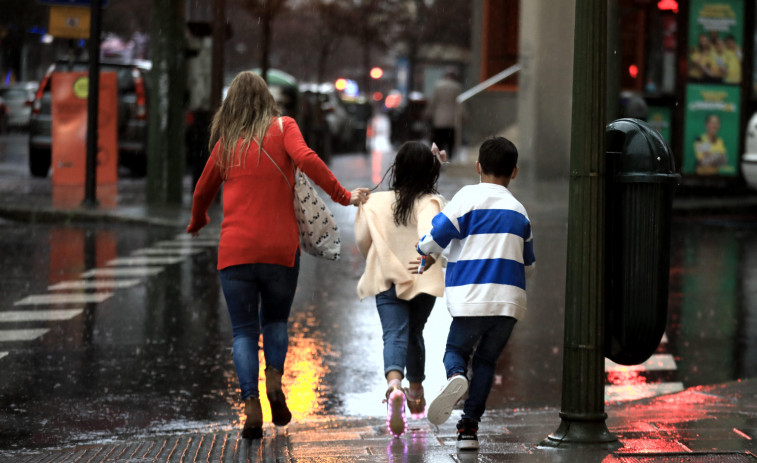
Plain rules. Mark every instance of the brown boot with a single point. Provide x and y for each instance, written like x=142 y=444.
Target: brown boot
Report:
x=253 y=425
x=281 y=416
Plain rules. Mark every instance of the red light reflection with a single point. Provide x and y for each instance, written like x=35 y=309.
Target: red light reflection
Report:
x=376 y=162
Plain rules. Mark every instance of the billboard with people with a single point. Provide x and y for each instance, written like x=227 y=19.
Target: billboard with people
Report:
x=713 y=95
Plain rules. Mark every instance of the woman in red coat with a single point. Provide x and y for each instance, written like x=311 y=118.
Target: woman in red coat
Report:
x=258 y=252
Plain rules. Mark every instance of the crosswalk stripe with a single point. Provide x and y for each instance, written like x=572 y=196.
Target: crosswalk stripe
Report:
x=64 y=299
x=166 y=251
x=188 y=244
x=122 y=272
x=38 y=315
x=210 y=235
x=94 y=284
x=639 y=391
x=21 y=335
x=656 y=362
x=3 y=354
x=145 y=260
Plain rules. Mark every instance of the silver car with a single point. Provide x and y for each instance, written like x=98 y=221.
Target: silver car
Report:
x=17 y=99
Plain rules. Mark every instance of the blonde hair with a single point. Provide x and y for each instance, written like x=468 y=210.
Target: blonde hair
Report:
x=245 y=114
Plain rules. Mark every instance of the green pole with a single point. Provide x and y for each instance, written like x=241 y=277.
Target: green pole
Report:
x=582 y=413
x=165 y=152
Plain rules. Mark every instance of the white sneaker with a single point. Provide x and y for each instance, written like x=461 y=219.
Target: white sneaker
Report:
x=441 y=407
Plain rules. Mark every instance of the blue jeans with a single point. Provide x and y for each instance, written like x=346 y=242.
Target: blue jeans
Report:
x=402 y=323
x=259 y=295
x=491 y=334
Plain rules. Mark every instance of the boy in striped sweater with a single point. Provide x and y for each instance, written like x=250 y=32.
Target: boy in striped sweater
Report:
x=486 y=238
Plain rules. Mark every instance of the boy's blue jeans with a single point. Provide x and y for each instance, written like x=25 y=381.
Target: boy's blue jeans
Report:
x=259 y=295
x=491 y=334
x=402 y=323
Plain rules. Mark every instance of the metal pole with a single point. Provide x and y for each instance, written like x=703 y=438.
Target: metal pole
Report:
x=582 y=413
x=93 y=98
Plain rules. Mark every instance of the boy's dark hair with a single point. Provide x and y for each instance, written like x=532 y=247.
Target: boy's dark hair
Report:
x=498 y=156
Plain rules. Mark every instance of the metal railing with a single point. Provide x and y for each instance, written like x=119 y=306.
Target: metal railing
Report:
x=473 y=91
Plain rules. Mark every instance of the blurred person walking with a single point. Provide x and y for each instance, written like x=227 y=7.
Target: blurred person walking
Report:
x=442 y=109
x=259 y=251
x=387 y=228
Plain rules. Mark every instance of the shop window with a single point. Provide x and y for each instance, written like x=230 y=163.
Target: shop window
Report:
x=648 y=39
x=500 y=40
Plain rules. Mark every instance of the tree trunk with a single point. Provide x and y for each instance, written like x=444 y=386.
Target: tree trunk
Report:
x=266 y=42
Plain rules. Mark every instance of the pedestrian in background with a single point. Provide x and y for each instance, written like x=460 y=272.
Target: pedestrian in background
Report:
x=442 y=110
x=387 y=228
x=486 y=238
x=258 y=252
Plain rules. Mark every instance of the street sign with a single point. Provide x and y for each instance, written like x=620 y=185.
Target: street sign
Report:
x=86 y=3
x=69 y=22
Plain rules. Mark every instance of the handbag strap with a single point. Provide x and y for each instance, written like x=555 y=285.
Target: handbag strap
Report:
x=281 y=126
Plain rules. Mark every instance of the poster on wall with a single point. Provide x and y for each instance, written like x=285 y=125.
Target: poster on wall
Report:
x=716 y=37
x=659 y=118
x=711 y=137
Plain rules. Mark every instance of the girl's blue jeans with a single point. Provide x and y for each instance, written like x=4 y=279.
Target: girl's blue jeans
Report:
x=491 y=334
x=402 y=323
x=259 y=295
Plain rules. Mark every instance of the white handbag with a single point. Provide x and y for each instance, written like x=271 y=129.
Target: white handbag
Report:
x=319 y=233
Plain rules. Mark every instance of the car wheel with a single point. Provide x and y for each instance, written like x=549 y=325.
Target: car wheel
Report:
x=39 y=162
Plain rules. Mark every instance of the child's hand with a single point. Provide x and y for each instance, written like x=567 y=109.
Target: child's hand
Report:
x=415 y=265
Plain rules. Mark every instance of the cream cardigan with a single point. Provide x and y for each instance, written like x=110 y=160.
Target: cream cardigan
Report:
x=388 y=248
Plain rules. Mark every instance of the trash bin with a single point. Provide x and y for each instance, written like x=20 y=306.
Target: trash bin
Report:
x=641 y=180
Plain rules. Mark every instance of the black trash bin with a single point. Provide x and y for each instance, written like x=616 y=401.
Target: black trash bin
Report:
x=641 y=180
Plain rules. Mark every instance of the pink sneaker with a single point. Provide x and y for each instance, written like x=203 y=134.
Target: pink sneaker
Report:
x=415 y=403
x=395 y=412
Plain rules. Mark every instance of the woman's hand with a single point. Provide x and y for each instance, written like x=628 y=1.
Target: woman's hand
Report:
x=195 y=225
x=359 y=196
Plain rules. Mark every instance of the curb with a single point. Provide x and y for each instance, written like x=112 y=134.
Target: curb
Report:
x=50 y=215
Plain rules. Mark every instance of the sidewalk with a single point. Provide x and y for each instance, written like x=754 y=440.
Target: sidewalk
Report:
x=706 y=424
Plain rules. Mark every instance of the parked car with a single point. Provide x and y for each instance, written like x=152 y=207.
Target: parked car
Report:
x=360 y=111
x=406 y=116
x=346 y=117
x=17 y=99
x=132 y=117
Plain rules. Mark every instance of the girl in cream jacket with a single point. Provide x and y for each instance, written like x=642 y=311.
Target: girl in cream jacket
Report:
x=387 y=228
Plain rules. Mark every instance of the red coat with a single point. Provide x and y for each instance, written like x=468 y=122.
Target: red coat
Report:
x=258 y=214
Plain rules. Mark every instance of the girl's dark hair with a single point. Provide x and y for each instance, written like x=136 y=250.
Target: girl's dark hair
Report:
x=413 y=174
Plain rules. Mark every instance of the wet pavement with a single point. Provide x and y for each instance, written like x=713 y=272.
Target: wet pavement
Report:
x=145 y=374
x=706 y=424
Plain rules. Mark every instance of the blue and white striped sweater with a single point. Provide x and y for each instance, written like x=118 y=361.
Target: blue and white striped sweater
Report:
x=485 y=236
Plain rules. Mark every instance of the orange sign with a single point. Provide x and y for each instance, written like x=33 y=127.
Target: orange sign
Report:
x=71 y=22
x=69 y=128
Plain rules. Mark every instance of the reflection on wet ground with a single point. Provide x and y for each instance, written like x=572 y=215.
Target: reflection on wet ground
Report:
x=146 y=347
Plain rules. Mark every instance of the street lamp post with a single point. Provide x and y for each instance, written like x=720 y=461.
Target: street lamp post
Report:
x=582 y=412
